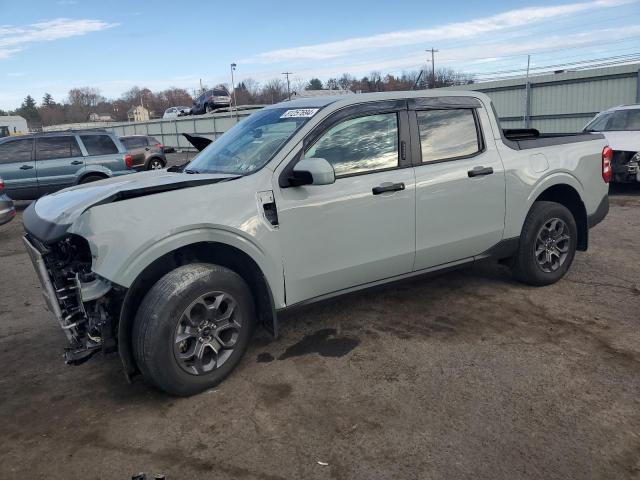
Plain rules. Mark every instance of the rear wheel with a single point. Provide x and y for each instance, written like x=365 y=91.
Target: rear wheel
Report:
x=155 y=164
x=547 y=244
x=192 y=328
x=209 y=108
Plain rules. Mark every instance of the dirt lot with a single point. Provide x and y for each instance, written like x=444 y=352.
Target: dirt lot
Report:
x=469 y=375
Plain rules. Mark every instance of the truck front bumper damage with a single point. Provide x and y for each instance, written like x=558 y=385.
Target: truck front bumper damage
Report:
x=80 y=300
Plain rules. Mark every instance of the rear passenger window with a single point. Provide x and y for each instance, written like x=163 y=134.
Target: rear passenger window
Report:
x=49 y=148
x=99 y=144
x=16 y=151
x=447 y=134
x=360 y=145
x=134 y=142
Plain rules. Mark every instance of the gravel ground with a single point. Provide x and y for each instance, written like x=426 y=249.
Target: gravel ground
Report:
x=468 y=375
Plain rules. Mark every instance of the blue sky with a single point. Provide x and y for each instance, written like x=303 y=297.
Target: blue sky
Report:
x=52 y=46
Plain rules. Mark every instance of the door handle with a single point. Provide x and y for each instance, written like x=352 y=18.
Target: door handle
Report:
x=26 y=167
x=147 y=149
x=77 y=162
x=387 y=187
x=479 y=171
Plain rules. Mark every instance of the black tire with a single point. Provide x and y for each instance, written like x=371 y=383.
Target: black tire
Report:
x=151 y=164
x=527 y=266
x=161 y=315
x=209 y=108
x=91 y=178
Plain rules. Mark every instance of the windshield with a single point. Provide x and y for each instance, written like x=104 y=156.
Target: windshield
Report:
x=250 y=144
x=620 y=120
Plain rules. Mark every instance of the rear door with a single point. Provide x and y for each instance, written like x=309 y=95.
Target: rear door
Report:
x=102 y=151
x=460 y=181
x=58 y=161
x=18 y=168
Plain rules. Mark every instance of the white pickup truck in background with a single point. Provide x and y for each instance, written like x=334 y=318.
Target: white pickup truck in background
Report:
x=302 y=201
x=621 y=128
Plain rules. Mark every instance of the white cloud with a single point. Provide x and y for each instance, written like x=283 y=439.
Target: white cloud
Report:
x=457 y=30
x=15 y=38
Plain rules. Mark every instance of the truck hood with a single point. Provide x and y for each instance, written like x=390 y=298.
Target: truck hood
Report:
x=623 y=141
x=49 y=218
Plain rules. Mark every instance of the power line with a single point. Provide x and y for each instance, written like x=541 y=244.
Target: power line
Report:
x=288 y=84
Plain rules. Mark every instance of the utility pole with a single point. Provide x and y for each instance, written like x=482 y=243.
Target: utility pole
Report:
x=433 y=66
x=233 y=90
x=527 y=95
x=286 y=74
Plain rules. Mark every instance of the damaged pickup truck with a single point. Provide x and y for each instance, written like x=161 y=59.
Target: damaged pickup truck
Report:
x=300 y=202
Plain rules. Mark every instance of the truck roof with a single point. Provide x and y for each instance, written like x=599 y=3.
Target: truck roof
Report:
x=344 y=100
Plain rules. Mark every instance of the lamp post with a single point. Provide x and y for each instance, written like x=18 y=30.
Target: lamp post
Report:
x=233 y=90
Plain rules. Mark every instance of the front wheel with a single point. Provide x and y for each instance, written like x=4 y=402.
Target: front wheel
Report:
x=193 y=328
x=209 y=108
x=547 y=244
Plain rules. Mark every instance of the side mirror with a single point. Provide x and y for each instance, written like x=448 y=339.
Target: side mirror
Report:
x=312 y=171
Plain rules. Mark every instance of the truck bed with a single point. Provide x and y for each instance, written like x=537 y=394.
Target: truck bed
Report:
x=525 y=138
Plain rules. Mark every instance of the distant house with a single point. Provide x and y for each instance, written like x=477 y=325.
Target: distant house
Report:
x=99 y=117
x=319 y=93
x=138 y=114
x=12 y=125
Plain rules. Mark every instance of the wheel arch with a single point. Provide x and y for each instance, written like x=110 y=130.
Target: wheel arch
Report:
x=205 y=251
x=568 y=196
x=95 y=170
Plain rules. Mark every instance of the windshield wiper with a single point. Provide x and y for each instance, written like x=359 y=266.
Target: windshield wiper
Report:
x=189 y=170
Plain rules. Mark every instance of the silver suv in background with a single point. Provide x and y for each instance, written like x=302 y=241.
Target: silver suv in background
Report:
x=621 y=128
x=147 y=152
x=34 y=165
x=211 y=100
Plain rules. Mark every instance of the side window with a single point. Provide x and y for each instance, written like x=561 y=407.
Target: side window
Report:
x=16 y=151
x=49 y=148
x=134 y=142
x=447 y=134
x=99 y=144
x=358 y=145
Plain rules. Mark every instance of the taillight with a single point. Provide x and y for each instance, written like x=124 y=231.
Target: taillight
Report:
x=160 y=146
x=607 y=158
x=1 y=184
x=128 y=160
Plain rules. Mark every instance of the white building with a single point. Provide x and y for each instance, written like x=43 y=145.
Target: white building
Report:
x=138 y=114
x=12 y=125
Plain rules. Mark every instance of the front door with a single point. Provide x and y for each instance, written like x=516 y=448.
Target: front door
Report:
x=361 y=228
x=460 y=185
x=58 y=160
x=18 y=169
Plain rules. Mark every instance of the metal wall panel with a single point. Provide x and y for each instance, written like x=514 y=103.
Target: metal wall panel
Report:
x=169 y=132
x=562 y=102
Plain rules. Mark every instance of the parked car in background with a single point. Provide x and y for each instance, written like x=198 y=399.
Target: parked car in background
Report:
x=621 y=127
x=303 y=201
x=211 y=100
x=37 y=164
x=175 y=112
x=147 y=152
x=7 y=209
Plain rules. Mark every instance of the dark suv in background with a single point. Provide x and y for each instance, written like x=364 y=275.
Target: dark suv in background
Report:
x=37 y=164
x=211 y=100
x=147 y=153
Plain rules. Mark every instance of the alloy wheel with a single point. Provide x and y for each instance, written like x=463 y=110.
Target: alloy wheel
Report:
x=552 y=244
x=207 y=333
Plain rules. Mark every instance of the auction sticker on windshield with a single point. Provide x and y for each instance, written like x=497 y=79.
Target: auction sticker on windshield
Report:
x=300 y=113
